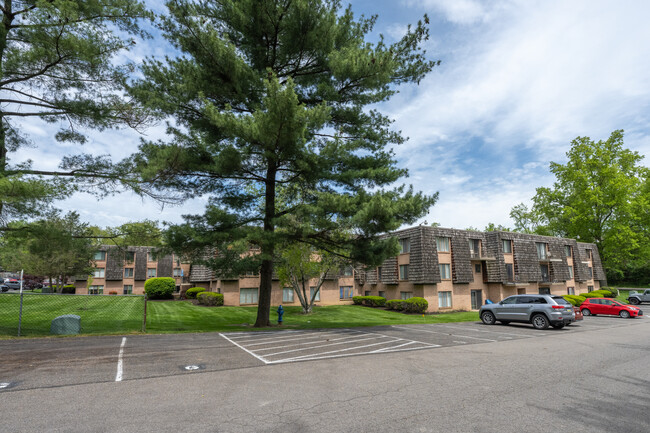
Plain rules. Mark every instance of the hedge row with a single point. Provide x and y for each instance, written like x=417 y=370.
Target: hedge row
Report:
x=410 y=305
x=577 y=300
x=160 y=288
x=210 y=299
x=369 y=301
x=193 y=292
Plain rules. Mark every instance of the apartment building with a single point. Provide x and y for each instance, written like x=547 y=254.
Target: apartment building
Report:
x=124 y=271
x=459 y=269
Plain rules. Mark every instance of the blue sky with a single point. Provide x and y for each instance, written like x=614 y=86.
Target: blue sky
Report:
x=519 y=80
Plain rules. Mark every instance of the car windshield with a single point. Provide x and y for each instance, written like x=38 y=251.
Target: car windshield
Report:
x=560 y=300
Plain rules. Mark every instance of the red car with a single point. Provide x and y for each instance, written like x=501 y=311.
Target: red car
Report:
x=593 y=306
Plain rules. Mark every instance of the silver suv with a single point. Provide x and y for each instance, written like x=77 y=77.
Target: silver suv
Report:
x=540 y=310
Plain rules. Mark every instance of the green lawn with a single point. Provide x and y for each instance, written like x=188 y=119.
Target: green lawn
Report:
x=99 y=314
x=123 y=314
x=183 y=316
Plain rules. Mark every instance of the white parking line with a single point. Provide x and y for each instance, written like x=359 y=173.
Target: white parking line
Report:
x=308 y=343
x=489 y=332
x=305 y=337
x=444 y=333
x=118 y=376
x=322 y=345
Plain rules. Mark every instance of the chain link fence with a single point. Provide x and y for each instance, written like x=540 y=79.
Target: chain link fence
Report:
x=31 y=314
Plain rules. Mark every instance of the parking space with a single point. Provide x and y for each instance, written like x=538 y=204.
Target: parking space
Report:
x=53 y=362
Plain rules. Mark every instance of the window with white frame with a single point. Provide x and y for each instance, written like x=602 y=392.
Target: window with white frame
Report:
x=128 y=272
x=151 y=272
x=405 y=245
x=444 y=299
x=403 y=272
x=248 y=296
x=571 y=272
x=346 y=292
x=442 y=244
x=541 y=250
x=591 y=272
x=312 y=289
x=474 y=248
x=567 y=251
x=128 y=289
x=96 y=290
x=99 y=255
x=570 y=291
x=98 y=273
x=178 y=272
x=129 y=256
x=445 y=271
x=287 y=294
x=405 y=295
x=507 y=246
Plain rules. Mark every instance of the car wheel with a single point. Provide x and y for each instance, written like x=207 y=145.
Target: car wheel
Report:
x=540 y=321
x=634 y=301
x=558 y=325
x=624 y=314
x=586 y=312
x=505 y=322
x=488 y=318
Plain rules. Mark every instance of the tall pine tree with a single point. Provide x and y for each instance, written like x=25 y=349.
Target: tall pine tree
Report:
x=272 y=103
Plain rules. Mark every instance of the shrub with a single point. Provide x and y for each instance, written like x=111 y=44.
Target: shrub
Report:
x=191 y=293
x=592 y=295
x=373 y=301
x=160 y=288
x=112 y=292
x=395 y=304
x=358 y=300
x=210 y=299
x=68 y=289
x=575 y=300
x=415 y=305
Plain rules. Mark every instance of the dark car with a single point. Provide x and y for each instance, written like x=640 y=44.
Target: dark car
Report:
x=10 y=284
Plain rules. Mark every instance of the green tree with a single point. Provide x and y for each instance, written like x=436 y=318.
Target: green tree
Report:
x=57 y=247
x=278 y=94
x=57 y=63
x=600 y=195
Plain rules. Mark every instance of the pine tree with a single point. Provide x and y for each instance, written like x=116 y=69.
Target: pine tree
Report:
x=278 y=96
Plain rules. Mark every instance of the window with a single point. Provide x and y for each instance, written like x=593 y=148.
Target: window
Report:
x=382 y=293
x=476 y=297
x=571 y=272
x=474 y=248
x=507 y=246
x=442 y=244
x=98 y=273
x=248 y=296
x=366 y=293
x=405 y=295
x=510 y=300
x=567 y=251
x=510 y=272
x=589 y=254
x=312 y=289
x=152 y=256
x=543 y=269
x=178 y=272
x=405 y=245
x=477 y=268
x=251 y=274
x=287 y=294
x=590 y=288
x=403 y=272
x=544 y=290
x=129 y=256
x=570 y=291
x=96 y=290
x=346 y=292
x=379 y=273
x=541 y=250
x=128 y=289
x=444 y=299
x=99 y=255
x=445 y=271
x=128 y=272
x=347 y=271
x=591 y=272
x=151 y=273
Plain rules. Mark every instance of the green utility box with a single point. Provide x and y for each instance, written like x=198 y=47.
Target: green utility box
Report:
x=67 y=324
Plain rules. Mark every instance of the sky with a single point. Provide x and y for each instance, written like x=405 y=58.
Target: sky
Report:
x=518 y=81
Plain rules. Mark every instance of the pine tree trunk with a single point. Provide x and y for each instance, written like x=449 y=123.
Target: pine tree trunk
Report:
x=268 y=251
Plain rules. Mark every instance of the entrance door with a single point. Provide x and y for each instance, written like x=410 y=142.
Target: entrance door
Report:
x=477 y=299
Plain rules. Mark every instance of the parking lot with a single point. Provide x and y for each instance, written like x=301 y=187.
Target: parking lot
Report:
x=55 y=362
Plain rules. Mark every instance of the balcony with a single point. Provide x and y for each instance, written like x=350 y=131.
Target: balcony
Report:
x=477 y=255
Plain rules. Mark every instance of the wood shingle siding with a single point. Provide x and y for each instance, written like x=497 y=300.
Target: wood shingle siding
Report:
x=140 y=265
x=165 y=266
x=114 y=264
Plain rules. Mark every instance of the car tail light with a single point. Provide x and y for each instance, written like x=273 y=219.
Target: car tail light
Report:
x=559 y=307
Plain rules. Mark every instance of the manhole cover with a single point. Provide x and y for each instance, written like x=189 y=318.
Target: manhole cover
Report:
x=193 y=367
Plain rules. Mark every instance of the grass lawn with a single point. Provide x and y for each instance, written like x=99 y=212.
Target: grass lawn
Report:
x=99 y=314
x=103 y=315
x=183 y=316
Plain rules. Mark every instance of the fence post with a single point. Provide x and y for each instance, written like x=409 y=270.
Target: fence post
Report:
x=20 y=313
x=144 y=321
